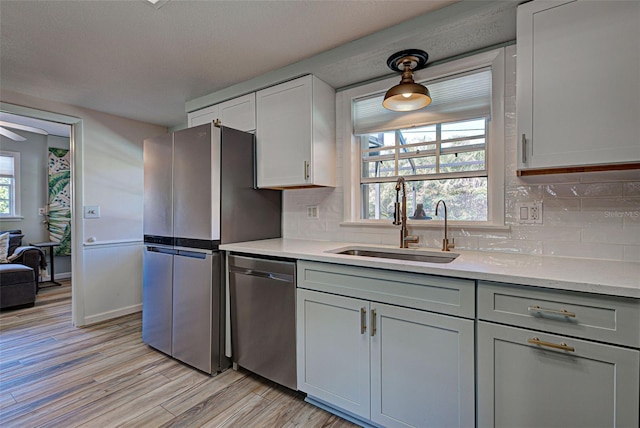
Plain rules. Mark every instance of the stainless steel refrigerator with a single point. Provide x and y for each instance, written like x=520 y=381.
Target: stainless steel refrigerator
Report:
x=198 y=193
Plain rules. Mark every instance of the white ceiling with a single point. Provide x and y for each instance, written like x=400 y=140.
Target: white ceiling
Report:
x=131 y=59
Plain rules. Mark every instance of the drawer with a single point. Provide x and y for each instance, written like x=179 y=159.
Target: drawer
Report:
x=590 y=316
x=451 y=296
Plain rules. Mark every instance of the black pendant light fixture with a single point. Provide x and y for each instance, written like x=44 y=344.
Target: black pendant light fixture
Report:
x=407 y=95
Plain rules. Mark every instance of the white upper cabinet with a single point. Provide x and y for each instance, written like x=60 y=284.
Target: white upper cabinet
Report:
x=202 y=116
x=237 y=113
x=295 y=134
x=578 y=85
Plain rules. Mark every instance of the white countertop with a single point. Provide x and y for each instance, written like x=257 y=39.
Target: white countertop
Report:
x=564 y=273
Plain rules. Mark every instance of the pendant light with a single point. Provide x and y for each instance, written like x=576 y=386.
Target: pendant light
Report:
x=407 y=95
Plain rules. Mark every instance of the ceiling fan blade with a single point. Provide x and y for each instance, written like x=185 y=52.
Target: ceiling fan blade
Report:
x=23 y=127
x=11 y=135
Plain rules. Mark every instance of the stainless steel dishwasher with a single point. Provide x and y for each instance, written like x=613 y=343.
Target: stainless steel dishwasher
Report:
x=263 y=317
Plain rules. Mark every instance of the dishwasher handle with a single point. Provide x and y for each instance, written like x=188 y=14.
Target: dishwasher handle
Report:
x=262 y=274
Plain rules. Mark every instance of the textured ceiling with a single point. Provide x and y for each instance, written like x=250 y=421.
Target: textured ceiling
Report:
x=131 y=59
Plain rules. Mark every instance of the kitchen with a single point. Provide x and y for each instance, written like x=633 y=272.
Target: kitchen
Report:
x=575 y=208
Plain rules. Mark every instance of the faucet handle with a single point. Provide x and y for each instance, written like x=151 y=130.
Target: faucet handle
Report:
x=446 y=246
x=413 y=239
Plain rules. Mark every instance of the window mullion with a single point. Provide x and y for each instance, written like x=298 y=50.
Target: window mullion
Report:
x=438 y=146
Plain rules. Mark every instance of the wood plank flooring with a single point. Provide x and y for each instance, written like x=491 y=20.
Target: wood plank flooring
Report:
x=55 y=375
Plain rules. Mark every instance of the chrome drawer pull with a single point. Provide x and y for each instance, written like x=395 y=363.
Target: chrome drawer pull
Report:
x=363 y=320
x=562 y=312
x=562 y=345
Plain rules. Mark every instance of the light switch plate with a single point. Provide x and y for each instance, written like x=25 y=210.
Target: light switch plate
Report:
x=529 y=212
x=92 y=211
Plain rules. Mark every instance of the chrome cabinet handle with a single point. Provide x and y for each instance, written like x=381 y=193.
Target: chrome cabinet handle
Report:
x=306 y=170
x=373 y=322
x=524 y=149
x=562 y=312
x=563 y=346
x=363 y=320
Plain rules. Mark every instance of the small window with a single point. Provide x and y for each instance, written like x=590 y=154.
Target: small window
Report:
x=9 y=184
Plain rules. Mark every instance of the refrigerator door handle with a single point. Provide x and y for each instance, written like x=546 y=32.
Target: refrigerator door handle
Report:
x=162 y=250
x=192 y=254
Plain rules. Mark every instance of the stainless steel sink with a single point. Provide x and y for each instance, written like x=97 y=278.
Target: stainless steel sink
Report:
x=411 y=255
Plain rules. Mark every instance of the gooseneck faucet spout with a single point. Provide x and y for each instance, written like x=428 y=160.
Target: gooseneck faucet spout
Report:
x=445 y=242
x=400 y=215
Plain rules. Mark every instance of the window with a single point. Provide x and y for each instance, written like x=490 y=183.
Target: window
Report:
x=9 y=184
x=440 y=161
x=451 y=150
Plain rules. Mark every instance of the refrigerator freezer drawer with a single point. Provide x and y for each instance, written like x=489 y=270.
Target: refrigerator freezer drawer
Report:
x=196 y=313
x=157 y=296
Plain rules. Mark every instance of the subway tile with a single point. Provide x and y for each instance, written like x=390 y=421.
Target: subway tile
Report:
x=510 y=246
x=604 y=176
x=583 y=190
x=584 y=250
x=550 y=179
x=524 y=193
x=632 y=253
x=575 y=218
x=631 y=188
x=612 y=206
x=546 y=233
x=612 y=235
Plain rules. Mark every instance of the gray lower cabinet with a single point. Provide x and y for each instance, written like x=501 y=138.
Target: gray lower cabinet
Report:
x=384 y=363
x=556 y=375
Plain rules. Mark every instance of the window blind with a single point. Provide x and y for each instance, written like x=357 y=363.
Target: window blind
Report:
x=6 y=166
x=458 y=97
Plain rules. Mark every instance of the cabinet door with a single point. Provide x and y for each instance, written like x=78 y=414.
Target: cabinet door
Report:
x=528 y=385
x=422 y=369
x=578 y=89
x=205 y=115
x=239 y=113
x=333 y=350
x=284 y=134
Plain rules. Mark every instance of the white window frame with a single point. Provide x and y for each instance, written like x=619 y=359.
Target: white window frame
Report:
x=495 y=139
x=15 y=196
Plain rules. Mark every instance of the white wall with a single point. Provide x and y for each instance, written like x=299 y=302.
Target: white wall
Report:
x=108 y=273
x=595 y=215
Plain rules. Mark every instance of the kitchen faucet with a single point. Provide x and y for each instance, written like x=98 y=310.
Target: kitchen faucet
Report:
x=400 y=215
x=445 y=242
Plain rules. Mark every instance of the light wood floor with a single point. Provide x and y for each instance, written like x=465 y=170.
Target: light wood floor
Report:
x=55 y=375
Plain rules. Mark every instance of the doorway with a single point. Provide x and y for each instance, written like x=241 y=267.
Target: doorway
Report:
x=49 y=206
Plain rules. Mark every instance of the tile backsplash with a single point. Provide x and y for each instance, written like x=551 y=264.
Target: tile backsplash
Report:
x=590 y=215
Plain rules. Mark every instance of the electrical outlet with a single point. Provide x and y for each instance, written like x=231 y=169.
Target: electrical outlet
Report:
x=42 y=211
x=529 y=213
x=312 y=211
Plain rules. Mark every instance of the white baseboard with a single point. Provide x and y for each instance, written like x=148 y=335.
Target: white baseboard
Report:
x=104 y=316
